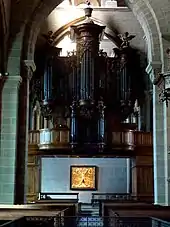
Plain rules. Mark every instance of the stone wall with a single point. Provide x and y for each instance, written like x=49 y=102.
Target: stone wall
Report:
x=112 y=175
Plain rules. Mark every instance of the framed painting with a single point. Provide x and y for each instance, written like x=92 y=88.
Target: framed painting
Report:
x=83 y=178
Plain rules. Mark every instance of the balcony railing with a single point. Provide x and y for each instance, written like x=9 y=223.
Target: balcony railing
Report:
x=143 y=138
x=128 y=138
x=34 y=137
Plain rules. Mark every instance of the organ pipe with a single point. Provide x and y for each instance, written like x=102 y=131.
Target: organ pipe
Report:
x=73 y=124
x=48 y=80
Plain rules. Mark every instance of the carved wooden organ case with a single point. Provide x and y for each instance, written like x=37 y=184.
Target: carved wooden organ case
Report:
x=93 y=90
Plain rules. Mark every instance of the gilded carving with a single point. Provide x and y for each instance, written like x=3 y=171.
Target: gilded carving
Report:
x=83 y=178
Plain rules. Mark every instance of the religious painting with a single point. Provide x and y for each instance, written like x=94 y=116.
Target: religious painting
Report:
x=83 y=178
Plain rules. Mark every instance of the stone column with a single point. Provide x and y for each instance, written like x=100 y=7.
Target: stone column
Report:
x=167 y=153
x=22 y=139
x=8 y=138
x=164 y=84
x=159 y=146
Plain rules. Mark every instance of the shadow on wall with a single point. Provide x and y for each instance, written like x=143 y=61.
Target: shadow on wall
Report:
x=112 y=175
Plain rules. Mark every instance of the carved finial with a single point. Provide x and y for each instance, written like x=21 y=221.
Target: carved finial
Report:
x=88 y=10
x=125 y=38
x=87 y=2
x=88 y=13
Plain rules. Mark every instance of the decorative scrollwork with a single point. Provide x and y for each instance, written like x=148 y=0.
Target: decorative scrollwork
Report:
x=102 y=53
x=85 y=46
x=164 y=96
x=46 y=110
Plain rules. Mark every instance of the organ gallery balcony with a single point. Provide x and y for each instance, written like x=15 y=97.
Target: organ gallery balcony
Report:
x=126 y=143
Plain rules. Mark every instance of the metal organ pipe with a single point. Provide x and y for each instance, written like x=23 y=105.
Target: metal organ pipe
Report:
x=101 y=122
x=48 y=80
x=83 y=78
x=87 y=37
x=73 y=133
x=86 y=75
x=125 y=77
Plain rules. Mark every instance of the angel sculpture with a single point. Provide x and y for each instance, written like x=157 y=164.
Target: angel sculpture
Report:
x=125 y=38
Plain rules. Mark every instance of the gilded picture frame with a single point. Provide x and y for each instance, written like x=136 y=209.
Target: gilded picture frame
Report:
x=83 y=178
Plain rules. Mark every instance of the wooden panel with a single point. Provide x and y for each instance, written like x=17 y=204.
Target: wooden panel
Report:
x=33 y=177
x=136 y=210
x=142 y=178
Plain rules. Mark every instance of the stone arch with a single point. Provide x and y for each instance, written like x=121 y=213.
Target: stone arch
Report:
x=146 y=16
x=141 y=9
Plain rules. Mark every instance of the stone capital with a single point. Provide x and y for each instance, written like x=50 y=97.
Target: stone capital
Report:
x=154 y=70
x=30 y=68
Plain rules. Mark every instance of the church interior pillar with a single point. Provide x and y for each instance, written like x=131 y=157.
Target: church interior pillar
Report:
x=167 y=156
x=9 y=118
x=22 y=140
x=159 y=147
x=164 y=85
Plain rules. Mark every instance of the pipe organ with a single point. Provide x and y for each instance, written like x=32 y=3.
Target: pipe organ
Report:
x=86 y=96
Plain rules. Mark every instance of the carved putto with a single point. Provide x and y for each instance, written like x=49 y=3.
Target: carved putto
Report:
x=125 y=38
